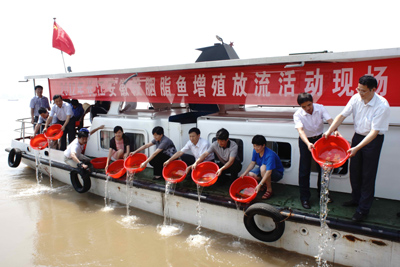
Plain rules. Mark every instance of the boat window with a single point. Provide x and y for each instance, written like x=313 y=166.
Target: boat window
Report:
x=136 y=139
x=283 y=150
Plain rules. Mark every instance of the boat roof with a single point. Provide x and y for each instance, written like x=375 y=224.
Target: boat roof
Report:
x=351 y=56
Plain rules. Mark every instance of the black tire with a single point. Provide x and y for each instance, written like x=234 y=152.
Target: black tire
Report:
x=14 y=157
x=80 y=188
x=268 y=211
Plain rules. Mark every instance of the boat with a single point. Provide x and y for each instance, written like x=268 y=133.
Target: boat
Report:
x=247 y=97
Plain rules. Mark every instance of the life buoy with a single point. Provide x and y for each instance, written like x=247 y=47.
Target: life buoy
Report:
x=268 y=211
x=80 y=188
x=14 y=157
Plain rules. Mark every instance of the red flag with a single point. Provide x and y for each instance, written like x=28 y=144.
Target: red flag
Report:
x=62 y=41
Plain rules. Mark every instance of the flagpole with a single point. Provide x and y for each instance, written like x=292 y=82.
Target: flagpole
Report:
x=62 y=54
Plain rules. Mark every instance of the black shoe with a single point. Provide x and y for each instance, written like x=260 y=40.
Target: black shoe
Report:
x=156 y=177
x=358 y=217
x=306 y=204
x=350 y=203
x=398 y=214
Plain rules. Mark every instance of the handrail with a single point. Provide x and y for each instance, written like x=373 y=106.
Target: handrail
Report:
x=23 y=129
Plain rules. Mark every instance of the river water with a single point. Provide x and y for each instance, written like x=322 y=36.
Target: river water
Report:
x=44 y=226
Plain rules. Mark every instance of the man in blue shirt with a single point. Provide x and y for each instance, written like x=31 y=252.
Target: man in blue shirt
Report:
x=269 y=166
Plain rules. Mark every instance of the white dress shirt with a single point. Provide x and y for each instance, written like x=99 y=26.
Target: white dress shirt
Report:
x=313 y=124
x=371 y=116
x=63 y=112
x=198 y=149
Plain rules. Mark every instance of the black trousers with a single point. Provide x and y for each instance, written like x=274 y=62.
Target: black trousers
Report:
x=158 y=163
x=363 y=170
x=305 y=169
x=233 y=170
x=70 y=131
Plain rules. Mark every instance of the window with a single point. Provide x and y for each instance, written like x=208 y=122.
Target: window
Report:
x=136 y=139
x=283 y=150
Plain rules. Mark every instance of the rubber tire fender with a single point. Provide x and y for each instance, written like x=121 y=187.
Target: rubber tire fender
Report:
x=80 y=188
x=268 y=211
x=14 y=157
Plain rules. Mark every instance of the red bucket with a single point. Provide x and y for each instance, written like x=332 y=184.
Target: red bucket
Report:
x=331 y=150
x=116 y=169
x=54 y=132
x=204 y=174
x=132 y=163
x=175 y=172
x=243 y=189
x=39 y=142
x=99 y=163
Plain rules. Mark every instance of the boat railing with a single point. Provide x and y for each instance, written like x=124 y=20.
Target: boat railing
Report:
x=23 y=130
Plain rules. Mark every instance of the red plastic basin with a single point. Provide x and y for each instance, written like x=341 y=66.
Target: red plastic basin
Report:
x=54 y=132
x=116 y=169
x=132 y=163
x=99 y=163
x=39 y=142
x=331 y=150
x=204 y=174
x=243 y=189
x=175 y=172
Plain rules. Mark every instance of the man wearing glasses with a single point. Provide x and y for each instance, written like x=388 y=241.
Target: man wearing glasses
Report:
x=371 y=120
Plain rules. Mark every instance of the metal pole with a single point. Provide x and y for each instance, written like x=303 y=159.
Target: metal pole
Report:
x=62 y=54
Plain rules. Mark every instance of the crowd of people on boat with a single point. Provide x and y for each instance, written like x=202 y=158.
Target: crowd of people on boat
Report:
x=371 y=120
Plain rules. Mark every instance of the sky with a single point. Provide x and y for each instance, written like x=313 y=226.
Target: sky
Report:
x=128 y=34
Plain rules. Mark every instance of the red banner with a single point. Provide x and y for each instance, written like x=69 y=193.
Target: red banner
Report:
x=331 y=84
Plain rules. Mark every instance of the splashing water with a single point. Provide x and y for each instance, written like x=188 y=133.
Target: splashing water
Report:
x=169 y=230
x=197 y=240
x=325 y=236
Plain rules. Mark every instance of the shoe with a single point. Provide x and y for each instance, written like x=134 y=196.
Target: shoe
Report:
x=306 y=204
x=267 y=195
x=156 y=177
x=358 y=217
x=350 y=203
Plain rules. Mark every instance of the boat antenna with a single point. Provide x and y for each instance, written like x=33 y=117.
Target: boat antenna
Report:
x=130 y=77
x=219 y=39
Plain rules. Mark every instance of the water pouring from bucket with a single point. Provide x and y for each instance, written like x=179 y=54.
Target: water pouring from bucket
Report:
x=204 y=175
x=39 y=142
x=52 y=134
x=329 y=153
x=173 y=173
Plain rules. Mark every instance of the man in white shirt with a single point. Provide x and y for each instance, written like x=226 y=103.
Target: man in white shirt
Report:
x=371 y=120
x=65 y=117
x=196 y=145
x=309 y=122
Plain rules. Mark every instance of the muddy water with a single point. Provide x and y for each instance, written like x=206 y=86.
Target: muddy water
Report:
x=44 y=226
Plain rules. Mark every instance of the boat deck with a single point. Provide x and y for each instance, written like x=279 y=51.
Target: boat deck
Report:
x=382 y=221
